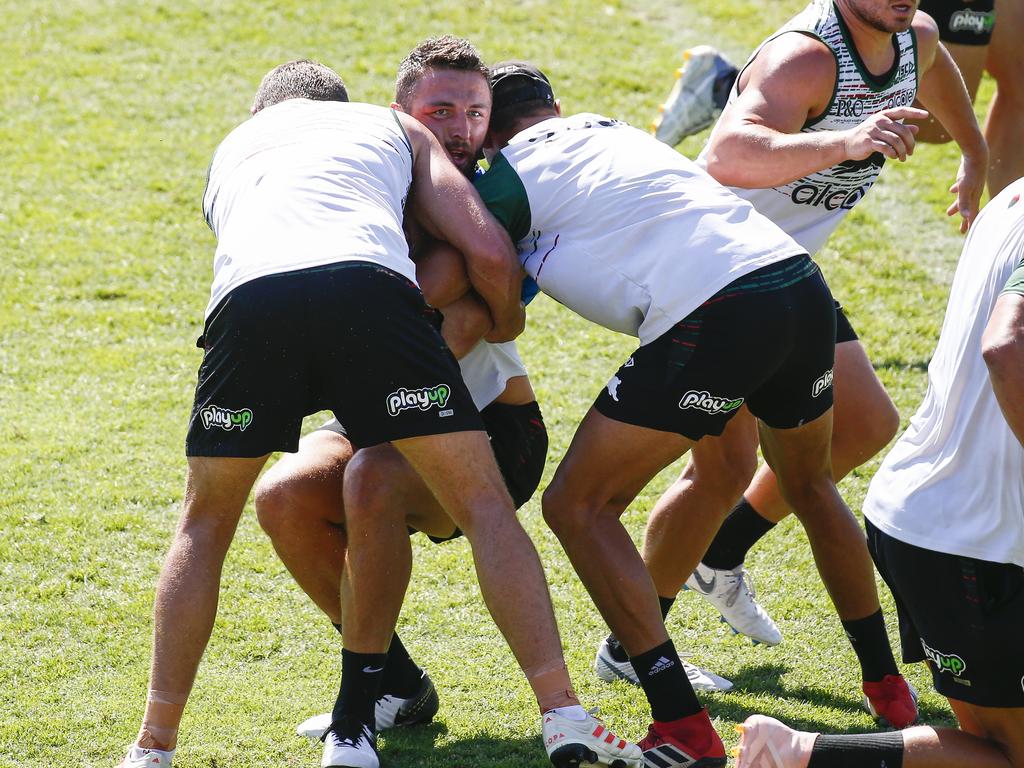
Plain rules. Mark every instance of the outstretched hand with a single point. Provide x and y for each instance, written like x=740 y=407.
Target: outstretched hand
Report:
x=968 y=188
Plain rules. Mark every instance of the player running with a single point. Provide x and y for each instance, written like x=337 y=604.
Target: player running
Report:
x=947 y=502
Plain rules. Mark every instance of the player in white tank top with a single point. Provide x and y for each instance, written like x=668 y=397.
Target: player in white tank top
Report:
x=812 y=116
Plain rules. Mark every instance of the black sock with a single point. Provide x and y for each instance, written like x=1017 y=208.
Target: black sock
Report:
x=401 y=674
x=741 y=530
x=664 y=682
x=615 y=647
x=871 y=644
x=361 y=675
x=861 y=750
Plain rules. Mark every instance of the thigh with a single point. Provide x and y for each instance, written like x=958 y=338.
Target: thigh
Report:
x=1005 y=61
x=1005 y=726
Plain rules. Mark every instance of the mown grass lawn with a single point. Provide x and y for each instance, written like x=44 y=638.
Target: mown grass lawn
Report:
x=111 y=113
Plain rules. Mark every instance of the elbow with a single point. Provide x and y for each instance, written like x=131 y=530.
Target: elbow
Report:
x=1003 y=355
x=728 y=172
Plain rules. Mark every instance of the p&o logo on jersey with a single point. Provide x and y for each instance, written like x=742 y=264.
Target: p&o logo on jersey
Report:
x=423 y=399
x=705 y=401
x=225 y=418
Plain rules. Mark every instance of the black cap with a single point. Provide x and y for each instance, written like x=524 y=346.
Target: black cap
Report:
x=515 y=82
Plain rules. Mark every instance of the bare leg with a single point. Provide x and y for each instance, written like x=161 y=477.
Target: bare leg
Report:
x=1006 y=113
x=687 y=516
x=606 y=465
x=865 y=421
x=189 y=587
x=299 y=505
x=460 y=470
x=800 y=457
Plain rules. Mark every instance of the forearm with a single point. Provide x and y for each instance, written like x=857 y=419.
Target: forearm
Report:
x=750 y=155
x=441 y=273
x=944 y=94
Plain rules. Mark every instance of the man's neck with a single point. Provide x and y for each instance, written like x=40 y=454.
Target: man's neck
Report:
x=874 y=45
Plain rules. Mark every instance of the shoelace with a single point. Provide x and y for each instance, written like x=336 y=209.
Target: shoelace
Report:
x=742 y=579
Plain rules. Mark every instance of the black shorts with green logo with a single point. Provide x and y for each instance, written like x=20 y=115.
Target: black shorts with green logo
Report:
x=766 y=340
x=965 y=618
x=354 y=338
x=963 y=23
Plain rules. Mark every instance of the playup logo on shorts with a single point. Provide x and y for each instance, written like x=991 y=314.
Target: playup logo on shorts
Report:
x=822 y=383
x=226 y=419
x=705 y=401
x=946 y=662
x=423 y=399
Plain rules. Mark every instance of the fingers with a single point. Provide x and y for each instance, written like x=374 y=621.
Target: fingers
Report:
x=906 y=113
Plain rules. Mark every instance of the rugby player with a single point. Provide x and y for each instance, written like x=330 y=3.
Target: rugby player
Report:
x=945 y=527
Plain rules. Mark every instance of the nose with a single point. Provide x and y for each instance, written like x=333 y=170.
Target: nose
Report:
x=460 y=126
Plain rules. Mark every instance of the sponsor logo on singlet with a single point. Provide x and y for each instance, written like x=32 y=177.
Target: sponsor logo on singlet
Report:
x=828 y=196
x=822 y=383
x=705 y=401
x=971 y=21
x=226 y=419
x=423 y=399
x=945 y=662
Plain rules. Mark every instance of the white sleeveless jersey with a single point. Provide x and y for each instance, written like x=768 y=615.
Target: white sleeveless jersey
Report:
x=620 y=228
x=487 y=369
x=809 y=209
x=308 y=183
x=954 y=481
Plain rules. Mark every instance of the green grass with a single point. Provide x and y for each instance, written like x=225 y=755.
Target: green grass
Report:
x=111 y=114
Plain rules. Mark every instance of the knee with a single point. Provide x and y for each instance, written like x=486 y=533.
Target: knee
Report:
x=570 y=514
x=875 y=432
x=370 y=486
x=273 y=501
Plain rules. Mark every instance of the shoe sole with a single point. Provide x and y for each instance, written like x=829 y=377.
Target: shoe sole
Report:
x=581 y=756
x=420 y=712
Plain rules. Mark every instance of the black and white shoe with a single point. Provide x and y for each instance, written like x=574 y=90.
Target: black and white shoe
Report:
x=347 y=747
x=389 y=711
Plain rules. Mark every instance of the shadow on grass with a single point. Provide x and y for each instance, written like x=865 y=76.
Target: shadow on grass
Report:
x=767 y=679
x=418 y=748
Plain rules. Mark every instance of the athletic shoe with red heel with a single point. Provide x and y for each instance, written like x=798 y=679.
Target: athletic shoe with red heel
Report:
x=689 y=742
x=767 y=743
x=892 y=702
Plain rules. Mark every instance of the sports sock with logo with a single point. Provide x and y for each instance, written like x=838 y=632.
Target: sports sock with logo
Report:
x=871 y=644
x=361 y=675
x=615 y=647
x=665 y=684
x=741 y=530
x=401 y=674
x=861 y=750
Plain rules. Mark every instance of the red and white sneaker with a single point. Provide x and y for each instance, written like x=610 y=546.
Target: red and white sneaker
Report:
x=891 y=702
x=571 y=743
x=767 y=743
x=690 y=742
x=138 y=757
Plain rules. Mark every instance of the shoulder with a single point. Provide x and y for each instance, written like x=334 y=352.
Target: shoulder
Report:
x=926 y=38
x=795 y=58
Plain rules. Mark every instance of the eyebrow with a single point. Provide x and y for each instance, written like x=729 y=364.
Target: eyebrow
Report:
x=449 y=103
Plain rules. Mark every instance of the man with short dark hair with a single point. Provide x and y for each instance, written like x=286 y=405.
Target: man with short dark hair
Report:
x=729 y=311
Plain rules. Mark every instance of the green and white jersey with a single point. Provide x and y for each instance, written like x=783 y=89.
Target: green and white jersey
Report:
x=620 y=228
x=308 y=183
x=954 y=481
x=811 y=208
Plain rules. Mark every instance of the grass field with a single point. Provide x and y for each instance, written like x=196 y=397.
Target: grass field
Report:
x=111 y=114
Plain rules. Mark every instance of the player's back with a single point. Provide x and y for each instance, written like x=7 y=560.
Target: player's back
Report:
x=626 y=231
x=308 y=183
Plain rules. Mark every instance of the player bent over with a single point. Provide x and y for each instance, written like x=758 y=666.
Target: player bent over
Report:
x=729 y=311
x=947 y=502
x=314 y=305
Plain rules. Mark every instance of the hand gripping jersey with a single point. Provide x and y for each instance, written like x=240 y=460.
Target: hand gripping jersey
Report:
x=308 y=183
x=809 y=209
x=620 y=228
x=954 y=481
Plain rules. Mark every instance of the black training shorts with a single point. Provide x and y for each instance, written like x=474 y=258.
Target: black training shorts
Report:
x=354 y=338
x=963 y=23
x=965 y=617
x=844 y=330
x=767 y=340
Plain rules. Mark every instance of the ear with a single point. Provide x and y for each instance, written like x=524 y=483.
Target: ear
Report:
x=558 y=107
x=396 y=105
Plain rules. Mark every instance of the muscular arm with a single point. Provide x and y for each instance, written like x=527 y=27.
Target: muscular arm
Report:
x=448 y=206
x=942 y=92
x=757 y=141
x=1002 y=346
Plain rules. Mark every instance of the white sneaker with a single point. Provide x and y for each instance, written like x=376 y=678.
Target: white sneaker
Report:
x=350 y=751
x=389 y=712
x=700 y=92
x=572 y=743
x=732 y=594
x=609 y=670
x=138 y=757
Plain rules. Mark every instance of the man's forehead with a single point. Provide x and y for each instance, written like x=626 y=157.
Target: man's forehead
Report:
x=445 y=86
